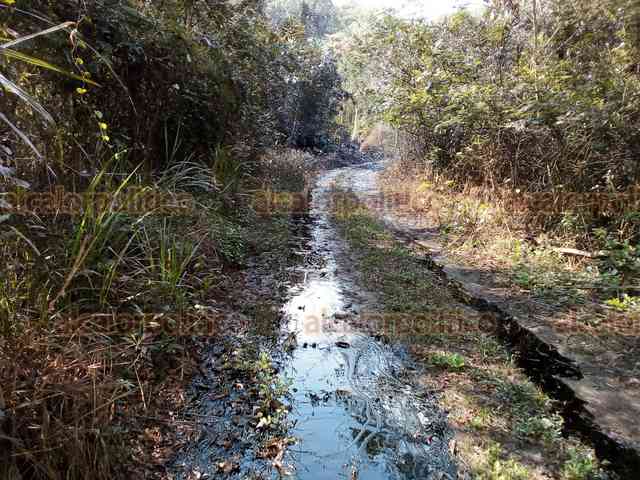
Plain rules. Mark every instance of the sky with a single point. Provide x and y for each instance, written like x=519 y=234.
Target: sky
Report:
x=430 y=9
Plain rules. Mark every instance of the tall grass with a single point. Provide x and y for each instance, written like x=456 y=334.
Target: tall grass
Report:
x=69 y=390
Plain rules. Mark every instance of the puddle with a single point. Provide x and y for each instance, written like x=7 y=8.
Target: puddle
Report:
x=357 y=407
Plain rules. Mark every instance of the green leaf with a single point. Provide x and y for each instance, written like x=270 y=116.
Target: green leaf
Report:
x=43 y=64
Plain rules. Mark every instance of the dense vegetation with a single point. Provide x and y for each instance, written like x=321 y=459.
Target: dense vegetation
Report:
x=540 y=96
x=131 y=136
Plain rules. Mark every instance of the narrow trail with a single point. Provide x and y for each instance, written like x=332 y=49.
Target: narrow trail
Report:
x=357 y=407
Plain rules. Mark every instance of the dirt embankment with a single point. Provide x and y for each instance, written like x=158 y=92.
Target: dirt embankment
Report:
x=582 y=351
x=485 y=392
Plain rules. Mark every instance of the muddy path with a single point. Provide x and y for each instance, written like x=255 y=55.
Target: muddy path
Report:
x=316 y=389
x=357 y=407
x=354 y=404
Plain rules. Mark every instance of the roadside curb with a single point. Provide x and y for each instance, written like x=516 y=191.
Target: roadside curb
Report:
x=556 y=373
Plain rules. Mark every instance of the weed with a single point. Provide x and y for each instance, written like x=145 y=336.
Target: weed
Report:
x=548 y=428
x=523 y=397
x=622 y=258
x=481 y=419
x=523 y=278
x=451 y=361
x=624 y=304
x=498 y=469
x=489 y=347
x=581 y=465
x=230 y=240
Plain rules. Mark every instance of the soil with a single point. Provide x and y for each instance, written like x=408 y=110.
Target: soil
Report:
x=303 y=380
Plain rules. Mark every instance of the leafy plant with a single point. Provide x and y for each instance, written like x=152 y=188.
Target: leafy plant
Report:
x=624 y=304
x=622 y=257
x=481 y=419
x=546 y=427
x=10 y=86
x=230 y=240
x=581 y=465
x=451 y=361
x=498 y=469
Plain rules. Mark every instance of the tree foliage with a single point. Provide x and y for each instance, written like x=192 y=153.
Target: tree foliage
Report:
x=220 y=72
x=540 y=98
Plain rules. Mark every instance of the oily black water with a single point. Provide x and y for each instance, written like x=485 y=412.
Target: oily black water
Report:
x=357 y=407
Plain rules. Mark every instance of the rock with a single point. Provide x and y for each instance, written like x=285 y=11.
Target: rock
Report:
x=291 y=342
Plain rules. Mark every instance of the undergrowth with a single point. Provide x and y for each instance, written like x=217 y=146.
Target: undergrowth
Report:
x=567 y=261
x=133 y=137
x=98 y=312
x=502 y=420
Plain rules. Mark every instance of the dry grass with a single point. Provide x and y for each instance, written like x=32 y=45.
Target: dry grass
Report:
x=505 y=427
x=74 y=396
x=82 y=394
x=62 y=393
x=71 y=392
x=506 y=251
x=487 y=229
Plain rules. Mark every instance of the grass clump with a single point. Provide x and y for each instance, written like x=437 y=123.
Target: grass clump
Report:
x=581 y=465
x=501 y=418
x=450 y=361
x=624 y=304
x=499 y=469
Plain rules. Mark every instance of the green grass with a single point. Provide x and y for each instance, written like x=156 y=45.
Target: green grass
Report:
x=510 y=417
x=405 y=284
x=624 y=304
x=450 y=361
x=581 y=465
x=498 y=468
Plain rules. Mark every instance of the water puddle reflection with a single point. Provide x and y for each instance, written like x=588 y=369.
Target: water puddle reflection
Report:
x=358 y=408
